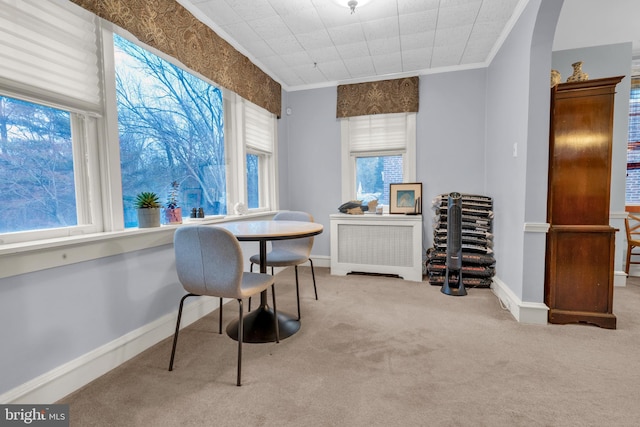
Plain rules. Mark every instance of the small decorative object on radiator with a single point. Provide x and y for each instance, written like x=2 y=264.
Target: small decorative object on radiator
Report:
x=352 y=207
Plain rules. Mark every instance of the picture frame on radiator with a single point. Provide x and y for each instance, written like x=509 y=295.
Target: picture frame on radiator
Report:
x=405 y=198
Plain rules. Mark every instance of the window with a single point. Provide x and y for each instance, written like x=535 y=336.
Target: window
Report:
x=259 y=134
x=253 y=181
x=89 y=118
x=377 y=150
x=36 y=167
x=633 y=150
x=171 y=127
x=48 y=111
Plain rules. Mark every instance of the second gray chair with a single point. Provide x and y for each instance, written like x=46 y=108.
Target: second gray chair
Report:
x=290 y=252
x=209 y=261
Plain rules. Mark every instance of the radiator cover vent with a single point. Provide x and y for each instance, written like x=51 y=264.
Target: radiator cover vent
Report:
x=386 y=244
x=375 y=245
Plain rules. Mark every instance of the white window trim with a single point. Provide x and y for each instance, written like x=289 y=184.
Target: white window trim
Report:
x=348 y=163
x=86 y=182
x=238 y=155
x=28 y=257
x=111 y=189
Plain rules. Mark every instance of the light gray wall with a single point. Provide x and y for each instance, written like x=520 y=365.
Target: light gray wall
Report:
x=282 y=151
x=450 y=137
x=312 y=160
x=587 y=23
x=507 y=120
x=518 y=114
x=534 y=250
x=53 y=316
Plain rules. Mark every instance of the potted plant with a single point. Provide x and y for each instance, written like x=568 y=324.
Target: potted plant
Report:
x=173 y=212
x=148 y=206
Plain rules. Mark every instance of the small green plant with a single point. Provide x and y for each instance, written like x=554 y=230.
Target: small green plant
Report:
x=147 y=200
x=172 y=200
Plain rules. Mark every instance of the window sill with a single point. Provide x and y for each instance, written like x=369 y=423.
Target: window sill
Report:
x=27 y=257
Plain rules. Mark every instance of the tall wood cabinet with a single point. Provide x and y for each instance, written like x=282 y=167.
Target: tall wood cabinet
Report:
x=580 y=242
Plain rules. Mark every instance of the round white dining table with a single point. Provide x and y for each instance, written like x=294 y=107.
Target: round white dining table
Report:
x=259 y=326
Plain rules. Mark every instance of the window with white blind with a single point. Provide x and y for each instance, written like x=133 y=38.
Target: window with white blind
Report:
x=49 y=50
x=259 y=137
x=377 y=150
x=50 y=101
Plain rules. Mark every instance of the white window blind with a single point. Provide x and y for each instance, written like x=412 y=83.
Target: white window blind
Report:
x=378 y=133
x=50 y=45
x=259 y=128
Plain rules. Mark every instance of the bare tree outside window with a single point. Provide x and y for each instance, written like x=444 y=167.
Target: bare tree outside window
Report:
x=36 y=167
x=171 y=126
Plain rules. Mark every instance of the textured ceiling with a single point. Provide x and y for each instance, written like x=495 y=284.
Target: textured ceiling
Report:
x=316 y=43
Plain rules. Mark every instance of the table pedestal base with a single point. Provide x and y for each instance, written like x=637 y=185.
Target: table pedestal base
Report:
x=259 y=326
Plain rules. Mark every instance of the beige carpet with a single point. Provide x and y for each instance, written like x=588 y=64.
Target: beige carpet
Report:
x=377 y=351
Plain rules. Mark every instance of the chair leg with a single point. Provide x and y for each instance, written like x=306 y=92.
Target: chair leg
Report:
x=175 y=335
x=240 y=339
x=220 y=321
x=313 y=275
x=251 y=270
x=626 y=267
x=297 y=290
x=275 y=313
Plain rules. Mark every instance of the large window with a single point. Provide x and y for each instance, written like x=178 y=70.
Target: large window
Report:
x=171 y=127
x=377 y=151
x=89 y=119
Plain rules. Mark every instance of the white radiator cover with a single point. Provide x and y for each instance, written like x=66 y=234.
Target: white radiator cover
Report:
x=386 y=244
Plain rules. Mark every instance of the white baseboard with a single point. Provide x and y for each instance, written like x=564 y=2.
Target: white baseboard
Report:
x=524 y=312
x=63 y=380
x=321 y=261
x=619 y=278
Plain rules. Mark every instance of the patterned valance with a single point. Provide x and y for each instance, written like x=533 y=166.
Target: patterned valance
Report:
x=170 y=28
x=381 y=97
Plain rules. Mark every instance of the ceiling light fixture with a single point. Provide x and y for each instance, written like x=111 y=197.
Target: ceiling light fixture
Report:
x=352 y=5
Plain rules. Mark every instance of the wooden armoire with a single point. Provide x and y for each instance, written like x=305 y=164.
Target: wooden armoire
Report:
x=580 y=242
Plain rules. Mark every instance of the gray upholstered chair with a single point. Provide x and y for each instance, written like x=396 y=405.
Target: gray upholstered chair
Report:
x=290 y=252
x=209 y=261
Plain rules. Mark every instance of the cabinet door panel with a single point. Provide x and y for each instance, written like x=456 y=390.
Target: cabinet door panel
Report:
x=581 y=270
x=580 y=165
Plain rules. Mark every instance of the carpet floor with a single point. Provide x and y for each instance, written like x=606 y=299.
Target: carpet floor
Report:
x=379 y=351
